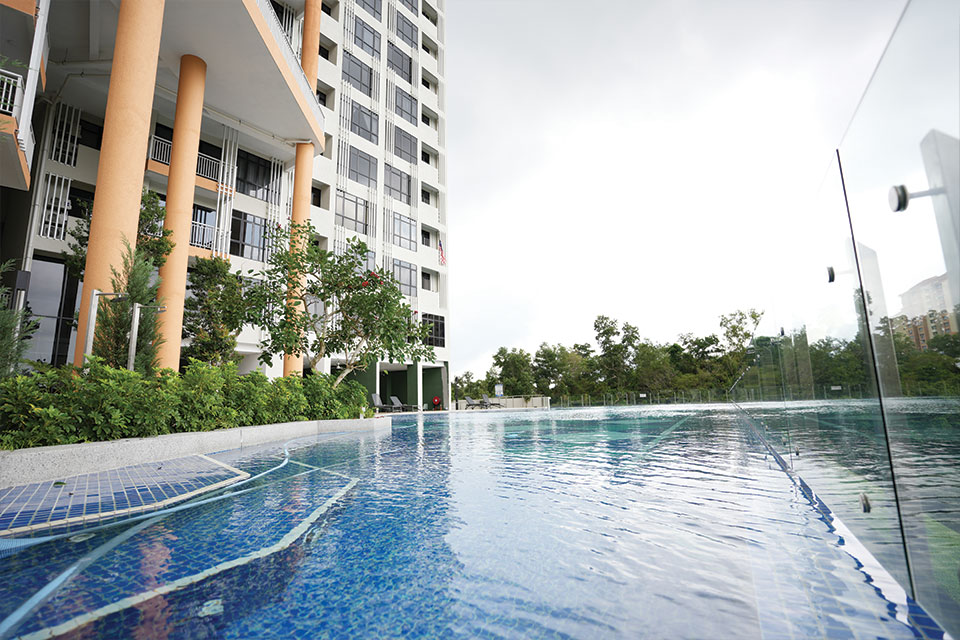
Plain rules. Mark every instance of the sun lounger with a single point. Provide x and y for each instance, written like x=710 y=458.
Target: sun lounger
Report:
x=399 y=406
x=379 y=406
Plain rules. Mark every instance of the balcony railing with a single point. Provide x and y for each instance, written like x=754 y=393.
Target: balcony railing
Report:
x=11 y=93
x=206 y=236
x=160 y=150
x=266 y=9
x=207 y=166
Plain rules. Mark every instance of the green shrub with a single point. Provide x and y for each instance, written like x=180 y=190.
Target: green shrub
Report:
x=202 y=403
x=66 y=405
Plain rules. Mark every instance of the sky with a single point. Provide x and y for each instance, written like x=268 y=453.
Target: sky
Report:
x=643 y=160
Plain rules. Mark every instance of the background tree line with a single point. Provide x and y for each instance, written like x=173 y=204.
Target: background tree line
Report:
x=786 y=366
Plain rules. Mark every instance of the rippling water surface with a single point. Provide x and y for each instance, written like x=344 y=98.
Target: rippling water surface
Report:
x=551 y=524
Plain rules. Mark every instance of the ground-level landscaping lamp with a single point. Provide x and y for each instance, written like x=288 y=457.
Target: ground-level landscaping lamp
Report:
x=92 y=318
x=135 y=330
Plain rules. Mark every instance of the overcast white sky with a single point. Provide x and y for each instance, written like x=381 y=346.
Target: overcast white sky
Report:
x=635 y=158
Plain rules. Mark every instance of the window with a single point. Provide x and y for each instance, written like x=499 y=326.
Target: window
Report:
x=412 y=5
x=326 y=9
x=425 y=82
x=253 y=175
x=399 y=62
x=366 y=37
x=211 y=150
x=425 y=119
x=321 y=97
x=372 y=7
x=424 y=196
x=352 y=212
x=425 y=281
x=404 y=145
x=324 y=53
x=316 y=196
x=406 y=106
x=370 y=264
x=407 y=31
x=77 y=200
x=404 y=232
x=406 y=275
x=357 y=73
x=163 y=131
x=203 y=227
x=425 y=237
x=247 y=235
x=364 y=122
x=363 y=168
x=436 y=336
x=425 y=157
x=396 y=183
x=91 y=134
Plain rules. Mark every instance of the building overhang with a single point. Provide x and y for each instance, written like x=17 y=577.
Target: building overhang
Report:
x=14 y=164
x=253 y=78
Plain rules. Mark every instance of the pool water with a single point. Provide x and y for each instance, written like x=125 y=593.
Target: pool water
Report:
x=632 y=522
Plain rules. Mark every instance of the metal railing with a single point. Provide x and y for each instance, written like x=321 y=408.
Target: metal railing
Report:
x=11 y=93
x=205 y=236
x=266 y=9
x=207 y=166
x=160 y=150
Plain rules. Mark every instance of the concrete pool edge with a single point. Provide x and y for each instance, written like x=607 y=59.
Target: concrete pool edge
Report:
x=41 y=464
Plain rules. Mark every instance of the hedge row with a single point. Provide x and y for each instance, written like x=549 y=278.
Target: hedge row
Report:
x=66 y=405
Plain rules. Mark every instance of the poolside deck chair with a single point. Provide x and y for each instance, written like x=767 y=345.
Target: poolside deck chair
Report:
x=473 y=404
x=486 y=403
x=399 y=406
x=379 y=406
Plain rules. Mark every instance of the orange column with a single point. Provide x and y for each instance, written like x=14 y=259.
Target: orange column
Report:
x=302 y=183
x=123 y=152
x=310 y=45
x=180 y=189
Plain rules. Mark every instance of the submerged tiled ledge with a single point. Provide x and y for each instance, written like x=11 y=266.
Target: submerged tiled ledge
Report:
x=40 y=464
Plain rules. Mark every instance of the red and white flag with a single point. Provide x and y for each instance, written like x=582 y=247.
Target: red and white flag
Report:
x=443 y=258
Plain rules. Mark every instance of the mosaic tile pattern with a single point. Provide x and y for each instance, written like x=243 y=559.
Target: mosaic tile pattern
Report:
x=99 y=496
x=494 y=527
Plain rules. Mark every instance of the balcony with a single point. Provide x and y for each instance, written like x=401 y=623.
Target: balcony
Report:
x=207 y=166
x=16 y=137
x=207 y=236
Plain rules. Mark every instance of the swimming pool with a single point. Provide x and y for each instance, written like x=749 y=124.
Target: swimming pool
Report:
x=631 y=522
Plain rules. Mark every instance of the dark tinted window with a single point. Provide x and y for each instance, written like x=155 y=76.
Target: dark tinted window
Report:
x=247 y=235
x=253 y=175
x=407 y=31
x=91 y=134
x=437 y=330
x=396 y=183
x=406 y=275
x=366 y=37
x=399 y=62
x=404 y=145
x=362 y=167
x=406 y=106
x=357 y=73
x=364 y=122
x=373 y=7
x=352 y=212
x=404 y=232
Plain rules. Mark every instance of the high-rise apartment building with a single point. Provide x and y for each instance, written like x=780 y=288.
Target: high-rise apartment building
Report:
x=241 y=114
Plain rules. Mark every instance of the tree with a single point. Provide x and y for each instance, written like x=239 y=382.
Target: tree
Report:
x=514 y=369
x=15 y=329
x=153 y=241
x=464 y=385
x=214 y=312
x=313 y=301
x=115 y=316
x=947 y=344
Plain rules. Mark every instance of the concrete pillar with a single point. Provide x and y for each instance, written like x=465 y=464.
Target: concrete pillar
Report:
x=36 y=64
x=180 y=189
x=310 y=42
x=302 y=184
x=123 y=151
x=415 y=385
